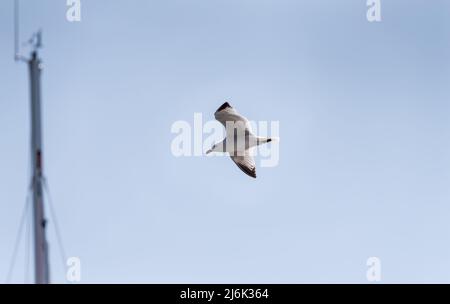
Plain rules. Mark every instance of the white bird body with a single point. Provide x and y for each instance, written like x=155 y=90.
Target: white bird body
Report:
x=239 y=140
x=250 y=142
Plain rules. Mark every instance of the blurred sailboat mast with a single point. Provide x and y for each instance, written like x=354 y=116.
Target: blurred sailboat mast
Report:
x=41 y=265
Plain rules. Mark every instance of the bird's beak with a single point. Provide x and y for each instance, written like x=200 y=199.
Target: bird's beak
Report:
x=209 y=151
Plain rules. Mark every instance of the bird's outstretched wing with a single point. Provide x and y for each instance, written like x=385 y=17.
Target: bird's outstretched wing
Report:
x=246 y=163
x=227 y=113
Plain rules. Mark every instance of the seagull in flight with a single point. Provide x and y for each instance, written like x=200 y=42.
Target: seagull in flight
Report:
x=239 y=139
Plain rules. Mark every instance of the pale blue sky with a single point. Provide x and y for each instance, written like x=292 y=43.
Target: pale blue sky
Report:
x=364 y=153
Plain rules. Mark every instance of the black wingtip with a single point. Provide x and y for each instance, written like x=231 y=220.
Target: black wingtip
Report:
x=249 y=171
x=252 y=173
x=224 y=106
x=269 y=139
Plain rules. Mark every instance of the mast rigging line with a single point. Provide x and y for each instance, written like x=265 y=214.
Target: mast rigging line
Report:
x=19 y=235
